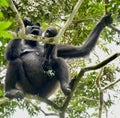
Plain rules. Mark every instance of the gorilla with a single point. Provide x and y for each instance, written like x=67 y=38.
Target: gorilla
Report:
x=27 y=67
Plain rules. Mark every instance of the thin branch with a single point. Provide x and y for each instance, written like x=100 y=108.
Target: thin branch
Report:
x=39 y=108
x=98 y=79
x=3 y=100
x=19 y=20
x=111 y=84
x=114 y=28
x=52 y=104
x=103 y=63
x=89 y=99
x=106 y=6
x=70 y=19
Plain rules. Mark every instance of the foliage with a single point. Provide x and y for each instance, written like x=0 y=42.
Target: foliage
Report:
x=55 y=13
x=4 y=25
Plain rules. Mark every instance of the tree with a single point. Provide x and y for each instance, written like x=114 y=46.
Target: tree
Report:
x=91 y=86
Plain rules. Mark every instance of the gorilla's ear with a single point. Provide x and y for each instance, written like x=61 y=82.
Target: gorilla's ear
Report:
x=27 y=21
x=38 y=24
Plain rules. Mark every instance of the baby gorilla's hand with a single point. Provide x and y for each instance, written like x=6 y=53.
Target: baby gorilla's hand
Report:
x=46 y=65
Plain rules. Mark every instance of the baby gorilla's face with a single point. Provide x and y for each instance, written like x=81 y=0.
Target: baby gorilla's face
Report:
x=34 y=29
x=51 y=32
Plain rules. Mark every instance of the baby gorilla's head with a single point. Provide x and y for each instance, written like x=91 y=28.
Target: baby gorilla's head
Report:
x=51 y=32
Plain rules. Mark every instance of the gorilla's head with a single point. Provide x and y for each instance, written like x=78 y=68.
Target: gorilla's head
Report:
x=32 y=28
x=35 y=29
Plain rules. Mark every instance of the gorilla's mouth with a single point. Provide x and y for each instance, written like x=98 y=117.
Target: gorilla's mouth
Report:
x=35 y=31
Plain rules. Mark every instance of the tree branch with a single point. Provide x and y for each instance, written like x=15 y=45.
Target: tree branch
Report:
x=98 y=79
x=68 y=22
x=18 y=18
x=103 y=63
x=101 y=101
x=3 y=100
x=34 y=38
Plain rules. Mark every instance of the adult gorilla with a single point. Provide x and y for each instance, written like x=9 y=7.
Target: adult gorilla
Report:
x=25 y=72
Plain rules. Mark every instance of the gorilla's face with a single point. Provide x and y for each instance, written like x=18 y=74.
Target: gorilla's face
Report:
x=34 y=29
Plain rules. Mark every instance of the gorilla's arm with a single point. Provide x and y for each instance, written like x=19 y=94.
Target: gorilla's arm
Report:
x=13 y=49
x=72 y=51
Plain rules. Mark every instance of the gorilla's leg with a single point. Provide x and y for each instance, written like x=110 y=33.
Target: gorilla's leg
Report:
x=15 y=71
x=62 y=74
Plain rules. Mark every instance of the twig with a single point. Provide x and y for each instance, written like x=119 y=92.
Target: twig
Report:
x=39 y=108
x=86 y=98
x=114 y=28
x=98 y=79
x=35 y=97
x=111 y=84
x=52 y=104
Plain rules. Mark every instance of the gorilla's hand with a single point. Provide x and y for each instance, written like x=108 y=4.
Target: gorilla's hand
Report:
x=107 y=20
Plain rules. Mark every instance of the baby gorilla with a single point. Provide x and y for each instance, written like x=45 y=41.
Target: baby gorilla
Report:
x=57 y=64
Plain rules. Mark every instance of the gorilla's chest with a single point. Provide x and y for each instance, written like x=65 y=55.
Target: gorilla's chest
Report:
x=32 y=63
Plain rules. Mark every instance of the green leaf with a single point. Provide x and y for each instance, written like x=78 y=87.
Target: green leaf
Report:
x=3 y=3
x=1 y=92
x=4 y=25
x=1 y=15
x=5 y=34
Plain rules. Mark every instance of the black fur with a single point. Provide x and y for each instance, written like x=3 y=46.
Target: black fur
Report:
x=25 y=73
